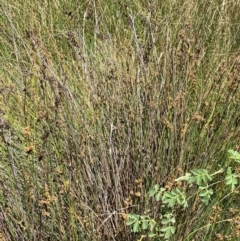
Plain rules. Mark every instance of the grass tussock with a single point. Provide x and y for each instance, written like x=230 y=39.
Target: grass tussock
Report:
x=102 y=99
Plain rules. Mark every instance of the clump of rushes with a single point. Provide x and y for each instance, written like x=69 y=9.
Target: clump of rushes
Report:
x=101 y=100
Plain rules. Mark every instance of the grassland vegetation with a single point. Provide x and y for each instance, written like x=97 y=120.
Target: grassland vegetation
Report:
x=101 y=101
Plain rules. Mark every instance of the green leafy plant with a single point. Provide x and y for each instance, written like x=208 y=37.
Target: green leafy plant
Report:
x=234 y=155
x=171 y=200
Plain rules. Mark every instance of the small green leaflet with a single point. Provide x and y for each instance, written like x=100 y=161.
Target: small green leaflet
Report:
x=234 y=155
